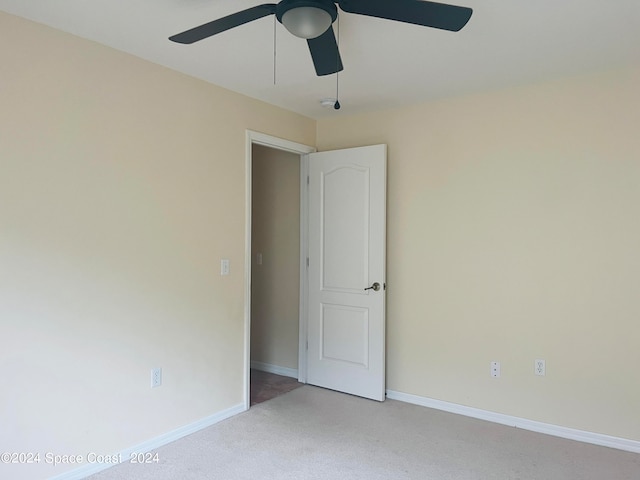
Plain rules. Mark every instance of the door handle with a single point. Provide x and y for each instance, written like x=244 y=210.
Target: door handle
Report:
x=375 y=287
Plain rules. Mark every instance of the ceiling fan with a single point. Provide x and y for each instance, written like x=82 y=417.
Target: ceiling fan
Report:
x=312 y=20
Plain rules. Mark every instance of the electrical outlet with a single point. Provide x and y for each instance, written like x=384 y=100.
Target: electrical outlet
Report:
x=495 y=369
x=156 y=377
x=540 y=368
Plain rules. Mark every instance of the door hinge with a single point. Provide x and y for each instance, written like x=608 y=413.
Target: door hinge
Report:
x=307 y=345
x=307 y=179
x=307 y=262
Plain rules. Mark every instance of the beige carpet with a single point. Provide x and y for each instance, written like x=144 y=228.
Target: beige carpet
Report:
x=311 y=433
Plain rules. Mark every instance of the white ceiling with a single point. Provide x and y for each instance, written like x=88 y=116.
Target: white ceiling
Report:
x=387 y=64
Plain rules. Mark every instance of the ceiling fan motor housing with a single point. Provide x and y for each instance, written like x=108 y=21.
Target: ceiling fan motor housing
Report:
x=327 y=5
x=286 y=6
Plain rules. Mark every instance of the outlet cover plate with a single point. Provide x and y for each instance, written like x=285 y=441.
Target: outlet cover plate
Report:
x=156 y=377
x=495 y=369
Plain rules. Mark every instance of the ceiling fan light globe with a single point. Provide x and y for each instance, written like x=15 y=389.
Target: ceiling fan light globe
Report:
x=307 y=22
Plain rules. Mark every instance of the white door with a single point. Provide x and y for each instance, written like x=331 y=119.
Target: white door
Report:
x=347 y=232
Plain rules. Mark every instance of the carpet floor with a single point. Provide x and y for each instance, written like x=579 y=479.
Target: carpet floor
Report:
x=316 y=434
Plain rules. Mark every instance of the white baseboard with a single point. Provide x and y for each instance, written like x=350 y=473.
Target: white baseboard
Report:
x=267 y=367
x=523 y=423
x=152 y=444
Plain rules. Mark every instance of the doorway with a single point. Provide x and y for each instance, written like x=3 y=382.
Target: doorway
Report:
x=275 y=272
x=345 y=335
x=275 y=286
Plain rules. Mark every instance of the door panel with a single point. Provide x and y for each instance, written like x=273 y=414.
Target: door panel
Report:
x=347 y=213
x=343 y=334
x=344 y=228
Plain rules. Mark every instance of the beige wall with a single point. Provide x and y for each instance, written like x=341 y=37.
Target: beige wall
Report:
x=121 y=188
x=513 y=234
x=276 y=235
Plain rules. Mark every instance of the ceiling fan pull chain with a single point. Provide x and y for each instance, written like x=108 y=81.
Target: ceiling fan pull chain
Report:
x=337 y=104
x=274 y=49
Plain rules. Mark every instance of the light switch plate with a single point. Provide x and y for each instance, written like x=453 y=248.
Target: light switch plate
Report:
x=224 y=266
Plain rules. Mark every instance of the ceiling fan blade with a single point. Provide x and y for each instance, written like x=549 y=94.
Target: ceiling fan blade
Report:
x=325 y=54
x=428 y=14
x=224 y=23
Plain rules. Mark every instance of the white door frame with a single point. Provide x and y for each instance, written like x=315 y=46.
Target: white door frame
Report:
x=258 y=138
